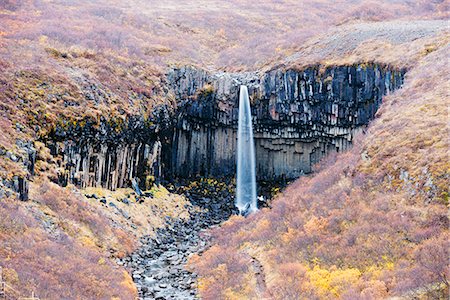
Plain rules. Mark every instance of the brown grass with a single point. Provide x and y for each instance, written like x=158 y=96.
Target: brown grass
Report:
x=238 y=33
x=371 y=223
x=335 y=233
x=397 y=43
x=54 y=248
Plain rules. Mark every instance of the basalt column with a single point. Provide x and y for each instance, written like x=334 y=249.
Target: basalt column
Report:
x=104 y=156
x=110 y=165
x=299 y=116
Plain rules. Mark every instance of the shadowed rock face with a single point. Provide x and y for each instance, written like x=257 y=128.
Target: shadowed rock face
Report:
x=298 y=116
x=103 y=156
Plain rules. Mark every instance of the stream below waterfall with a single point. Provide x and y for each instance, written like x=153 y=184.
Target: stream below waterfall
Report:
x=158 y=267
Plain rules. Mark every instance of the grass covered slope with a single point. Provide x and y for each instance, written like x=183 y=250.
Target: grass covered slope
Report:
x=371 y=223
x=62 y=245
x=57 y=246
x=65 y=61
x=231 y=34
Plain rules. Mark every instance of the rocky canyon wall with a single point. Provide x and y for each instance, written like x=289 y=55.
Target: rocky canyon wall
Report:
x=298 y=116
x=108 y=156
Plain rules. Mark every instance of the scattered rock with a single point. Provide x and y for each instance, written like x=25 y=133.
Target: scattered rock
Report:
x=159 y=265
x=123 y=213
x=12 y=156
x=135 y=185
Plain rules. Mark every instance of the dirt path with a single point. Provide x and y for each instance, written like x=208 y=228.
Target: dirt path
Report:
x=258 y=269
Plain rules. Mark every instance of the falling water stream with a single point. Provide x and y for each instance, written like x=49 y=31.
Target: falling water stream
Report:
x=246 y=177
x=159 y=267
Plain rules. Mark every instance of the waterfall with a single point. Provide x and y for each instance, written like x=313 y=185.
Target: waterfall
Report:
x=246 y=178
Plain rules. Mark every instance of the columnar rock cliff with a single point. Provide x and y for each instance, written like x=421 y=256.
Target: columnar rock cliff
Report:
x=298 y=116
x=108 y=156
x=110 y=165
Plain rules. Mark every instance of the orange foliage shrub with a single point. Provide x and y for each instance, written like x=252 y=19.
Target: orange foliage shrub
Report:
x=217 y=264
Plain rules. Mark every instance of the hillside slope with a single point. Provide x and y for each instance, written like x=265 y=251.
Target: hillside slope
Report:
x=64 y=63
x=371 y=223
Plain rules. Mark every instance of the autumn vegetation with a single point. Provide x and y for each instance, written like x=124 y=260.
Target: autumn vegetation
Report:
x=58 y=245
x=371 y=223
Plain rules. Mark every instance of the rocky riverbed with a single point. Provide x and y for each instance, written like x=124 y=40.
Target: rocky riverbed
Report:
x=158 y=267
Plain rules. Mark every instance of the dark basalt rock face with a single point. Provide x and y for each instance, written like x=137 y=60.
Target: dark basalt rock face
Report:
x=111 y=154
x=19 y=184
x=298 y=116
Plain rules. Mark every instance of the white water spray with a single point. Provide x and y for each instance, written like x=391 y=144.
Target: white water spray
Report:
x=246 y=178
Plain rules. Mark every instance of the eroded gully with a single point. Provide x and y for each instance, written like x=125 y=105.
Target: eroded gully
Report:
x=158 y=267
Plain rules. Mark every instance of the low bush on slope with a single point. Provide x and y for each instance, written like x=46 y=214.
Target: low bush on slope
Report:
x=75 y=59
x=371 y=223
x=57 y=246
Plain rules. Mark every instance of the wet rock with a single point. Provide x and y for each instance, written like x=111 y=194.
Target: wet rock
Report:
x=162 y=259
x=91 y=196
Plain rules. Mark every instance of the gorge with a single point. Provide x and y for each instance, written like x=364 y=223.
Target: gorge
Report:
x=126 y=168
x=119 y=149
x=299 y=116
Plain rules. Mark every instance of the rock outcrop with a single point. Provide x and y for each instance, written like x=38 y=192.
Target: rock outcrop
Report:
x=298 y=116
x=108 y=156
x=19 y=184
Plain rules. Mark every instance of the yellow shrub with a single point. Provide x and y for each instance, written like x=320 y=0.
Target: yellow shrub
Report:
x=128 y=283
x=332 y=282
x=87 y=241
